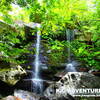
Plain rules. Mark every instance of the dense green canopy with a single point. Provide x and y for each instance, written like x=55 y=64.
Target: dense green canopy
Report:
x=55 y=16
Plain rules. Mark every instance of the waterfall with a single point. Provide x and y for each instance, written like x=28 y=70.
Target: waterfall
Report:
x=37 y=62
x=36 y=84
x=37 y=81
x=70 y=36
x=68 y=40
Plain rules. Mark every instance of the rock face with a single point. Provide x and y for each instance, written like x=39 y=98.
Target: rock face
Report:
x=12 y=75
x=63 y=89
x=72 y=80
x=11 y=98
x=25 y=95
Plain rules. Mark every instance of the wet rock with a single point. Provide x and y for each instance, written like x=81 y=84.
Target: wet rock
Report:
x=11 y=98
x=11 y=75
x=72 y=80
x=25 y=95
x=43 y=98
x=95 y=72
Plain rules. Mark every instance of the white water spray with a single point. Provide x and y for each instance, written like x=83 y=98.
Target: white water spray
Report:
x=70 y=66
x=37 y=79
x=37 y=63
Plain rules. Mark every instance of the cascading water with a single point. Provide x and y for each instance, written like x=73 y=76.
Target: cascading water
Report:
x=37 y=63
x=70 y=36
x=37 y=81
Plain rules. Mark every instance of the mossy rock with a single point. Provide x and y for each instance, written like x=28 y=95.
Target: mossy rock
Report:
x=11 y=75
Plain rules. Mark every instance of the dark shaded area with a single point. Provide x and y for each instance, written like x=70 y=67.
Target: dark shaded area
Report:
x=4 y=64
x=5 y=89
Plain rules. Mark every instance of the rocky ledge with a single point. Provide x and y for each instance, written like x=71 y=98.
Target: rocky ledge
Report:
x=12 y=75
x=72 y=80
x=63 y=89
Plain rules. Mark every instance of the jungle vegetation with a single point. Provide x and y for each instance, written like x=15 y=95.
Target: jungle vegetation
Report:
x=55 y=17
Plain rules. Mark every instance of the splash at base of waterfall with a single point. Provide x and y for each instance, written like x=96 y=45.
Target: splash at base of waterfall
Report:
x=38 y=85
x=70 y=68
x=70 y=36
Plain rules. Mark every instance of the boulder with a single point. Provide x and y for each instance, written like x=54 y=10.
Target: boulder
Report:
x=11 y=98
x=11 y=75
x=25 y=95
x=71 y=81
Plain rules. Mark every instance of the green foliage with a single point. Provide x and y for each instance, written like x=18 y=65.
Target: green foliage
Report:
x=55 y=16
x=87 y=54
x=57 y=55
x=9 y=38
x=5 y=5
